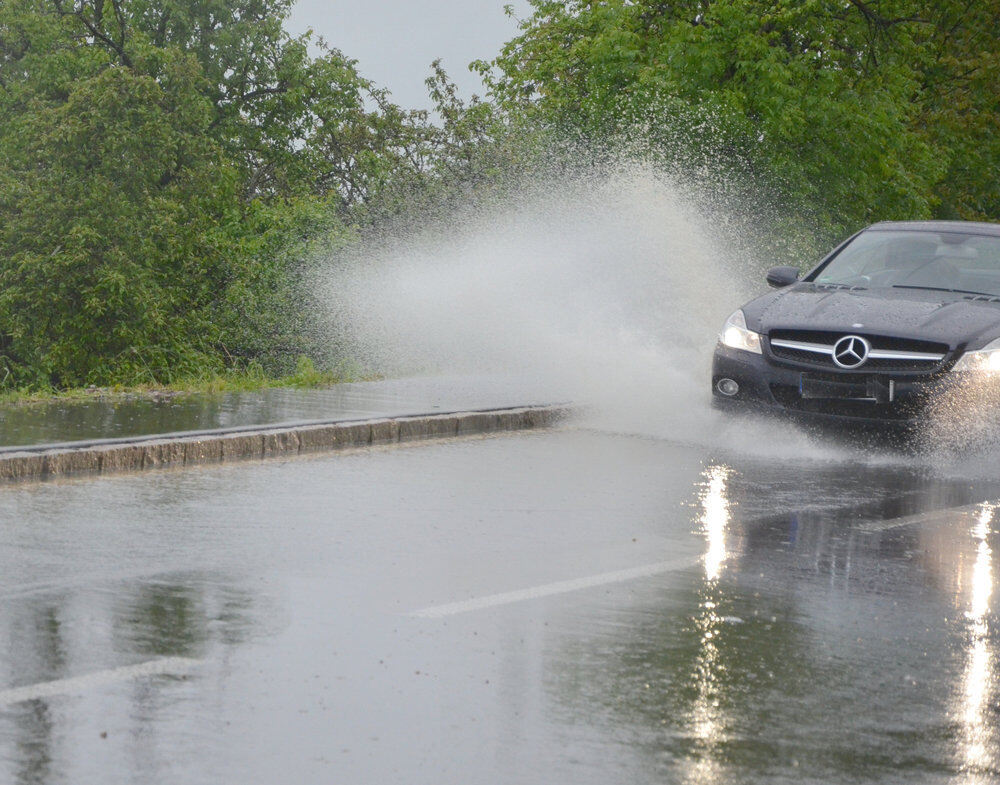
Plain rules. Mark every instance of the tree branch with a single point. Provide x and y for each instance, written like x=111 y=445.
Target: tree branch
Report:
x=122 y=26
x=281 y=88
x=93 y=27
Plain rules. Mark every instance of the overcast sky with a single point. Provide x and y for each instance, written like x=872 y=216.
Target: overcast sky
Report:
x=395 y=41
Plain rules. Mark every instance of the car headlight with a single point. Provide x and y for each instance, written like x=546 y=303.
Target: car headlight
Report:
x=982 y=360
x=735 y=334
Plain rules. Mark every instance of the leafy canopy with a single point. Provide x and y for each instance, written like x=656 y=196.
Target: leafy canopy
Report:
x=855 y=110
x=166 y=168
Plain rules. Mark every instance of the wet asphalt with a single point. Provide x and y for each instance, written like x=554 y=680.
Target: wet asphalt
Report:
x=569 y=606
x=124 y=415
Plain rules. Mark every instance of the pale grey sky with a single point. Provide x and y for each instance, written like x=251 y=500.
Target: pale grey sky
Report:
x=395 y=41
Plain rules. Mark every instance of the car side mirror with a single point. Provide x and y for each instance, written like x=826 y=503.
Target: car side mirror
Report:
x=782 y=276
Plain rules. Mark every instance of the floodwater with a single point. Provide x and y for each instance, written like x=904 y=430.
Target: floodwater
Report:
x=123 y=416
x=569 y=606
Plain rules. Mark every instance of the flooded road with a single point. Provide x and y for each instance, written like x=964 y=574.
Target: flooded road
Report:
x=570 y=606
x=132 y=415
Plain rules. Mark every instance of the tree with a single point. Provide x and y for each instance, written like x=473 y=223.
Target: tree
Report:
x=114 y=231
x=959 y=103
x=166 y=168
x=842 y=107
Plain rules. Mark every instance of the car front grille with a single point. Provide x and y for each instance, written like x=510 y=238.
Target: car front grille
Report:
x=814 y=348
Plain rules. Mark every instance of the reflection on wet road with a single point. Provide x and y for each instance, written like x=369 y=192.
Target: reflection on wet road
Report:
x=563 y=607
x=976 y=712
x=121 y=416
x=706 y=717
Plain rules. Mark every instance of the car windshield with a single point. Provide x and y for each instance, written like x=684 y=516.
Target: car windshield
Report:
x=950 y=261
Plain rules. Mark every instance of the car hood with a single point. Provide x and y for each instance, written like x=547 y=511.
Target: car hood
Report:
x=944 y=317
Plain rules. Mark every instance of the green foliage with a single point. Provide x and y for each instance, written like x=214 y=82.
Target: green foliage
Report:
x=167 y=169
x=112 y=202
x=959 y=103
x=847 y=109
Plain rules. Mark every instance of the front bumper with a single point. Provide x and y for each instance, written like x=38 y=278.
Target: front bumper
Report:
x=885 y=399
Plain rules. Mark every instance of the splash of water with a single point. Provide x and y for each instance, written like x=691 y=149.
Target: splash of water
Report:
x=607 y=290
x=961 y=434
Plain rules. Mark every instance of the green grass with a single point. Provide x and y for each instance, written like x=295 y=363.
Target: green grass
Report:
x=249 y=379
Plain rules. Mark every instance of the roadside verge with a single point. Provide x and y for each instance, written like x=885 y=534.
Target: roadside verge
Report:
x=108 y=456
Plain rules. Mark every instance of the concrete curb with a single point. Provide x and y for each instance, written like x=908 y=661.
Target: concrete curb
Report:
x=189 y=449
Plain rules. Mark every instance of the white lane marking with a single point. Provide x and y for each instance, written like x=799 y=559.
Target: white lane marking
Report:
x=548 y=589
x=175 y=666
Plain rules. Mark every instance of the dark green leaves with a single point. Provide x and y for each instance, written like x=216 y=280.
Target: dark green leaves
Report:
x=853 y=111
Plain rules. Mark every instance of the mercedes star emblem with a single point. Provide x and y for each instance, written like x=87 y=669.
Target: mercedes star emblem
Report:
x=851 y=351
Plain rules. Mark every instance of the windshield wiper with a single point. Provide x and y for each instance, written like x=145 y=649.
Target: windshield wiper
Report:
x=943 y=289
x=928 y=288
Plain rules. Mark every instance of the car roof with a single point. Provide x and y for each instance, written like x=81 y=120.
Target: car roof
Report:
x=966 y=227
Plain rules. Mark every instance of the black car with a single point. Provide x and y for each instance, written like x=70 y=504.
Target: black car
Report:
x=894 y=318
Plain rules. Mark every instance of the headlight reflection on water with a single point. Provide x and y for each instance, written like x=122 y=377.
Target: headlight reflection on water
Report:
x=978 y=729
x=707 y=713
x=714 y=518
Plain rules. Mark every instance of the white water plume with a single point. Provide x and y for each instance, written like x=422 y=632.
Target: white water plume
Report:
x=608 y=291
x=961 y=433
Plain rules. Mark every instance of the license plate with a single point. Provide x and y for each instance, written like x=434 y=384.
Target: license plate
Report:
x=856 y=389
